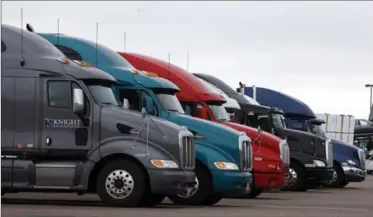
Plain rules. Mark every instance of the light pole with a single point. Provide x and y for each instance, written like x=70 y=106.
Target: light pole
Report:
x=370 y=86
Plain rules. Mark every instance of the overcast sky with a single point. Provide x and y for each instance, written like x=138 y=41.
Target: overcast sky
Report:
x=319 y=52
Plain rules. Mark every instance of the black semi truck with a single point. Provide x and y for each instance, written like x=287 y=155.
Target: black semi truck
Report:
x=311 y=156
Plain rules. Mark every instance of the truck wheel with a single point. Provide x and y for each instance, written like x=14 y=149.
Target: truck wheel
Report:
x=298 y=178
x=338 y=178
x=254 y=192
x=212 y=199
x=197 y=194
x=345 y=184
x=150 y=200
x=121 y=183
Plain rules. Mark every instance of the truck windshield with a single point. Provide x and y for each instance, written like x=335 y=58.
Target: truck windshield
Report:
x=317 y=130
x=102 y=93
x=170 y=102
x=219 y=112
x=278 y=121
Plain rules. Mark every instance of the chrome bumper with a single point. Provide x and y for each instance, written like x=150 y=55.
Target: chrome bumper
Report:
x=354 y=174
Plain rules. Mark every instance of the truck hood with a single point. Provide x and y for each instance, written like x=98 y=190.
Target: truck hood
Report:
x=252 y=132
x=214 y=135
x=121 y=123
x=344 y=149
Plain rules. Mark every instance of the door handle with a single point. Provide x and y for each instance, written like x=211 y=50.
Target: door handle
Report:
x=48 y=141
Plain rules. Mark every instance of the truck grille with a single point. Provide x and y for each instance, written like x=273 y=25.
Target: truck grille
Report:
x=362 y=159
x=329 y=153
x=246 y=155
x=188 y=152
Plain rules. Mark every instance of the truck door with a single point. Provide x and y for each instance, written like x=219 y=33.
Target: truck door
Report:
x=64 y=133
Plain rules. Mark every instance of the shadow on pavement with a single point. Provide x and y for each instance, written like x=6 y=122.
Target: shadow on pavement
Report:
x=82 y=203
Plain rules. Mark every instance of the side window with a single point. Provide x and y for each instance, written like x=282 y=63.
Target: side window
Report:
x=59 y=95
x=3 y=47
x=191 y=107
x=143 y=95
x=70 y=53
x=363 y=123
x=133 y=98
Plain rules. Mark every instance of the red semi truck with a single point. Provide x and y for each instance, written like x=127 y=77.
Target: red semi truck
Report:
x=271 y=154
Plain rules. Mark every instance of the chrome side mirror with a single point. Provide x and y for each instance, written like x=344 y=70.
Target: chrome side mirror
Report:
x=126 y=103
x=78 y=101
x=143 y=113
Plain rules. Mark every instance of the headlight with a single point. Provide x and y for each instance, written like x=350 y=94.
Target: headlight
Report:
x=319 y=163
x=351 y=162
x=226 y=165
x=164 y=163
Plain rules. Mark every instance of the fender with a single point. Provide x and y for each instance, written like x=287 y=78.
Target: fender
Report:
x=304 y=158
x=123 y=145
x=207 y=154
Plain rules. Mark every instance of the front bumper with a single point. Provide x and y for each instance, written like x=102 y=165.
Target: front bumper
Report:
x=231 y=182
x=320 y=175
x=353 y=174
x=170 y=182
x=267 y=181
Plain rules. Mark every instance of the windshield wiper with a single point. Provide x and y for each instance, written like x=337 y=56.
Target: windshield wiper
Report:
x=173 y=110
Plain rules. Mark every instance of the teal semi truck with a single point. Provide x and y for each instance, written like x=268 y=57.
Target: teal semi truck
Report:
x=223 y=155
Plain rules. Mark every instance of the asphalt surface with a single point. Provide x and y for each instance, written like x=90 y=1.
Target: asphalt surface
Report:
x=356 y=200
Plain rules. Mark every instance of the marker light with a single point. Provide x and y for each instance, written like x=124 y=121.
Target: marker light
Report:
x=82 y=63
x=152 y=74
x=64 y=60
x=164 y=163
x=135 y=71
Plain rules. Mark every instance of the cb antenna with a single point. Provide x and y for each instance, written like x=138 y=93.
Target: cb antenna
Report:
x=125 y=41
x=96 y=57
x=169 y=62
x=58 y=31
x=188 y=61
x=22 y=61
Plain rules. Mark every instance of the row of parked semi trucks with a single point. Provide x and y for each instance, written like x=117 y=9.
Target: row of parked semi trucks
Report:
x=80 y=117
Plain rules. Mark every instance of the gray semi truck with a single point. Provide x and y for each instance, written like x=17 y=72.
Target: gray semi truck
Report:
x=64 y=131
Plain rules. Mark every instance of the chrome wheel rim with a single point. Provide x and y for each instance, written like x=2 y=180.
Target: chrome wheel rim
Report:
x=189 y=192
x=119 y=184
x=334 y=176
x=293 y=177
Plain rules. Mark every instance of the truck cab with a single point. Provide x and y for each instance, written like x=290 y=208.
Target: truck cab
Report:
x=223 y=155
x=272 y=120
x=203 y=101
x=348 y=161
x=63 y=130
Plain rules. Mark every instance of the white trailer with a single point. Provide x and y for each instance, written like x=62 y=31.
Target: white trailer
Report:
x=339 y=126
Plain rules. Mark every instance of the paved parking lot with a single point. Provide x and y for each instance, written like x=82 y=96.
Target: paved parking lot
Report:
x=356 y=200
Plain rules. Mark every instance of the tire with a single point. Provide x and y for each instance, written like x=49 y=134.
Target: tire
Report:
x=338 y=178
x=150 y=200
x=254 y=192
x=300 y=182
x=212 y=199
x=135 y=184
x=344 y=184
x=199 y=195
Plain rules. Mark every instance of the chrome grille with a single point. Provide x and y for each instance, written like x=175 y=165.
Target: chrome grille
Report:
x=246 y=155
x=362 y=159
x=329 y=153
x=188 y=152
